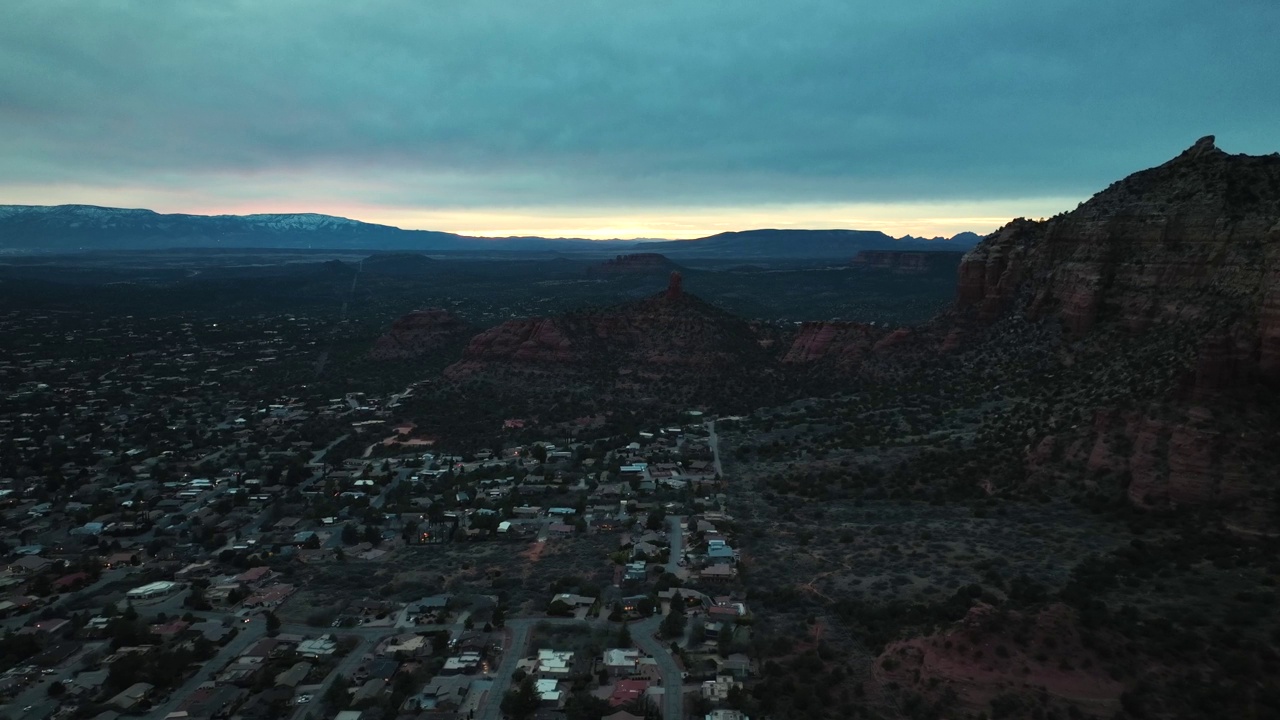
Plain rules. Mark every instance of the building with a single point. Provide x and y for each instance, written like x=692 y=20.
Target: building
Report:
x=152 y=590
x=549 y=693
x=626 y=692
x=320 y=647
x=555 y=664
x=132 y=696
x=620 y=662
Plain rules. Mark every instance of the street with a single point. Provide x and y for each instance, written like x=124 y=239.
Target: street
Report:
x=714 y=442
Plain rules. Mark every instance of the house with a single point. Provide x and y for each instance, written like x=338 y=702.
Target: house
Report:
x=721 y=554
x=727 y=612
x=718 y=573
x=717 y=691
x=737 y=665
x=210 y=701
x=726 y=715
x=548 y=690
x=170 y=629
x=253 y=575
x=320 y=647
x=29 y=565
x=466 y=662
x=626 y=692
x=554 y=664
x=74 y=581
x=294 y=676
x=574 y=601
x=383 y=668
x=628 y=663
x=45 y=627
x=119 y=560
x=89 y=682
x=132 y=696
x=368 y=691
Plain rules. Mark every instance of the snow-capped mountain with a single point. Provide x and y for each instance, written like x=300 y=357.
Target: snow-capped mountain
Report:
x=88 y=227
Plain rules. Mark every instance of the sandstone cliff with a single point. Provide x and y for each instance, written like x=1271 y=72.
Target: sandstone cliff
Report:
x=1195 y=239
x=1179 y=265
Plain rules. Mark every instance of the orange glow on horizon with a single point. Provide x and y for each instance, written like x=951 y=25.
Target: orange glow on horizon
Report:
x=921 y=219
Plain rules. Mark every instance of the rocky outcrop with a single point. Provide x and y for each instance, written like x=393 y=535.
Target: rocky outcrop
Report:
x=907 y=262
x=1184 y=260
x=841 y=343
x=419 y=333
x=671 y=340
x=1041 y=658
x=1195 y=239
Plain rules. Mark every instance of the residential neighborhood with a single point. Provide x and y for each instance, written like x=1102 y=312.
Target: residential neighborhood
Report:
x=193 y=556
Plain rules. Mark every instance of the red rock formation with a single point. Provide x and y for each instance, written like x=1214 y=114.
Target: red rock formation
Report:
x=844 y=343
x=670 y=335
x=1182 y=241
x=536 y=340
x=636 y=263
x=1187 y=254
x=674 y=287
x=419 y=333
x=981 y=658
x=892 y=340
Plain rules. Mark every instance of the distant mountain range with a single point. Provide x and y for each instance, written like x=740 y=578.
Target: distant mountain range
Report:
x=841 y=244
x=78 y=228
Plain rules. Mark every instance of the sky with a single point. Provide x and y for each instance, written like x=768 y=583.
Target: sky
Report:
x=601 y=118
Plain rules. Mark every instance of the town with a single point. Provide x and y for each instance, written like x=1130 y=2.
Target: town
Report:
x=176 y=552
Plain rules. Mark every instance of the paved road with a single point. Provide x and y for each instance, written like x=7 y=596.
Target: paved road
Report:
x=672 y=677
x=249 y=634
x=676 y=537
x=714 y=442
x=345 y=668
x=641 y=632
x=516 y=646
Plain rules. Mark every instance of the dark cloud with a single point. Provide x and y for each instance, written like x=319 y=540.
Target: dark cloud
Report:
x=493 y=102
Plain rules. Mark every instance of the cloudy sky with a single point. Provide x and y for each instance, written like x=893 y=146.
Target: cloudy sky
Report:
x=606 y=118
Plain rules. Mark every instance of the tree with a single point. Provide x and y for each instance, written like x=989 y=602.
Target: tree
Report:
x=677 y=603
x=654 y=522
x=646 y=607
x=624 y=636
x=273 y=624
x=521 y=702
x=57 y=690
x=350 y=536
x=725 y=639
x=499 y=617
x=673 y=624
x=336 y=696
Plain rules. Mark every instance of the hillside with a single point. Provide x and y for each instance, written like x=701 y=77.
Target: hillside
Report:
x=1073 y=470
x=669 y=349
